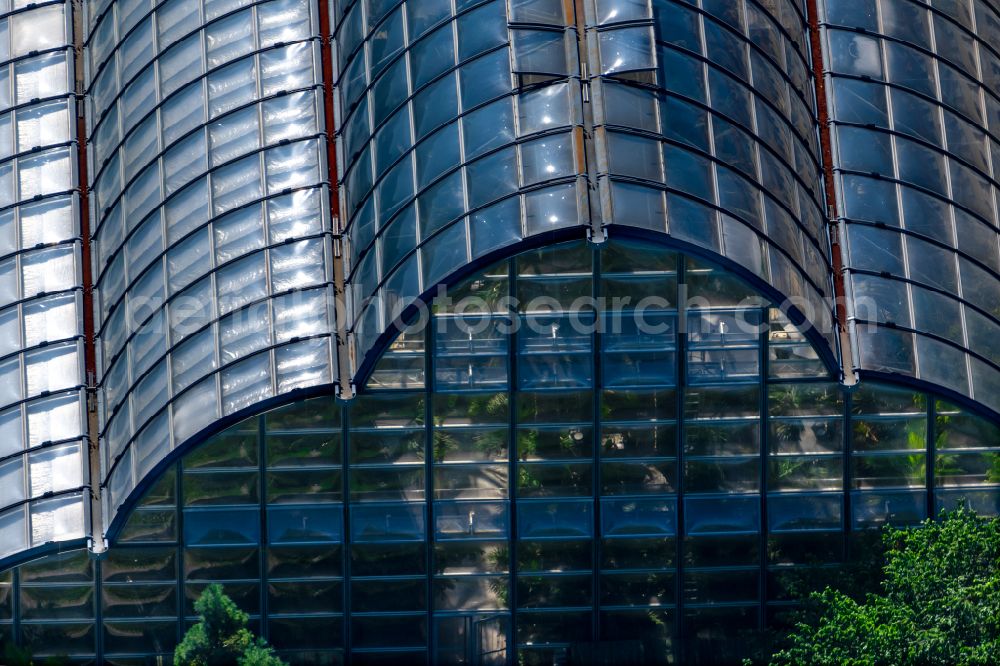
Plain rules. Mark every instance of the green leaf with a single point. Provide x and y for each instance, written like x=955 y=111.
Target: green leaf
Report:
x=939 y=603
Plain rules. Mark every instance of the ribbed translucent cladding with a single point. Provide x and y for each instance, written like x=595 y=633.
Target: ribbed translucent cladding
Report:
x=461 y=132
x=442 y=160
x=42 y=470
x=722 y=151
x=914 y=91
x=211 y=219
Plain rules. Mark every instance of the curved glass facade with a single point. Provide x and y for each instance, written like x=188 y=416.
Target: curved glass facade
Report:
x=43 y=461
x=465 y=129
x=554 y=492
x=575 y=260
x=720 y=148
x=211 y=238
x=915 y=95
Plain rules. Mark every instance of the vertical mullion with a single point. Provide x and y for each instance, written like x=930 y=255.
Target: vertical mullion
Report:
x=181 y=575
x=764 y=453
x=98 y=615
x=680 y=420
x=345 y=445
x=596 y=359
x=262 y=490
x=846 y=444
x=929 y=466
x=429 y=433
x=512 y=460
x=15 y=590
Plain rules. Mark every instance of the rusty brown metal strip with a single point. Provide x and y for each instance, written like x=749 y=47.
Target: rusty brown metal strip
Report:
x=343 y=351
x=86 y=270
x=326 y=59
x=832 y=212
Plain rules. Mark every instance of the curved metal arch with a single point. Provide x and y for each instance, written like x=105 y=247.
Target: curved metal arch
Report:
x=366 y=365
x=124 y=510
x=936 y=391
x=39 y=552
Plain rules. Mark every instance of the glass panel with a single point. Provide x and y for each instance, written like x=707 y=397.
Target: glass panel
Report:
x=304 y=525
x=222 y=526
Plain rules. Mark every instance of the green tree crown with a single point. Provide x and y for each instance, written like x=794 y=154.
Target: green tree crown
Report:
x=939 y=604
x=221 y=637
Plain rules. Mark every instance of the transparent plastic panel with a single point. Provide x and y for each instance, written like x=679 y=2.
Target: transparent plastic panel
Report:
x=48 y=221
x=626 y=50
x=56 y=519
x=10 y=331
x=42 y=125
x=40 y=77
x=13 y=531
x=195 y=409
x=49 y=319
x=49 y=271
x=55 y=469
x=11 y=431
x=246 y=383
x=54 y=419
x=52 y=369
x=12 y=482
x=37 y=30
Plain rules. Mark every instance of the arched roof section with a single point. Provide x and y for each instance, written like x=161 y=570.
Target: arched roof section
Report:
x=671 y=119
